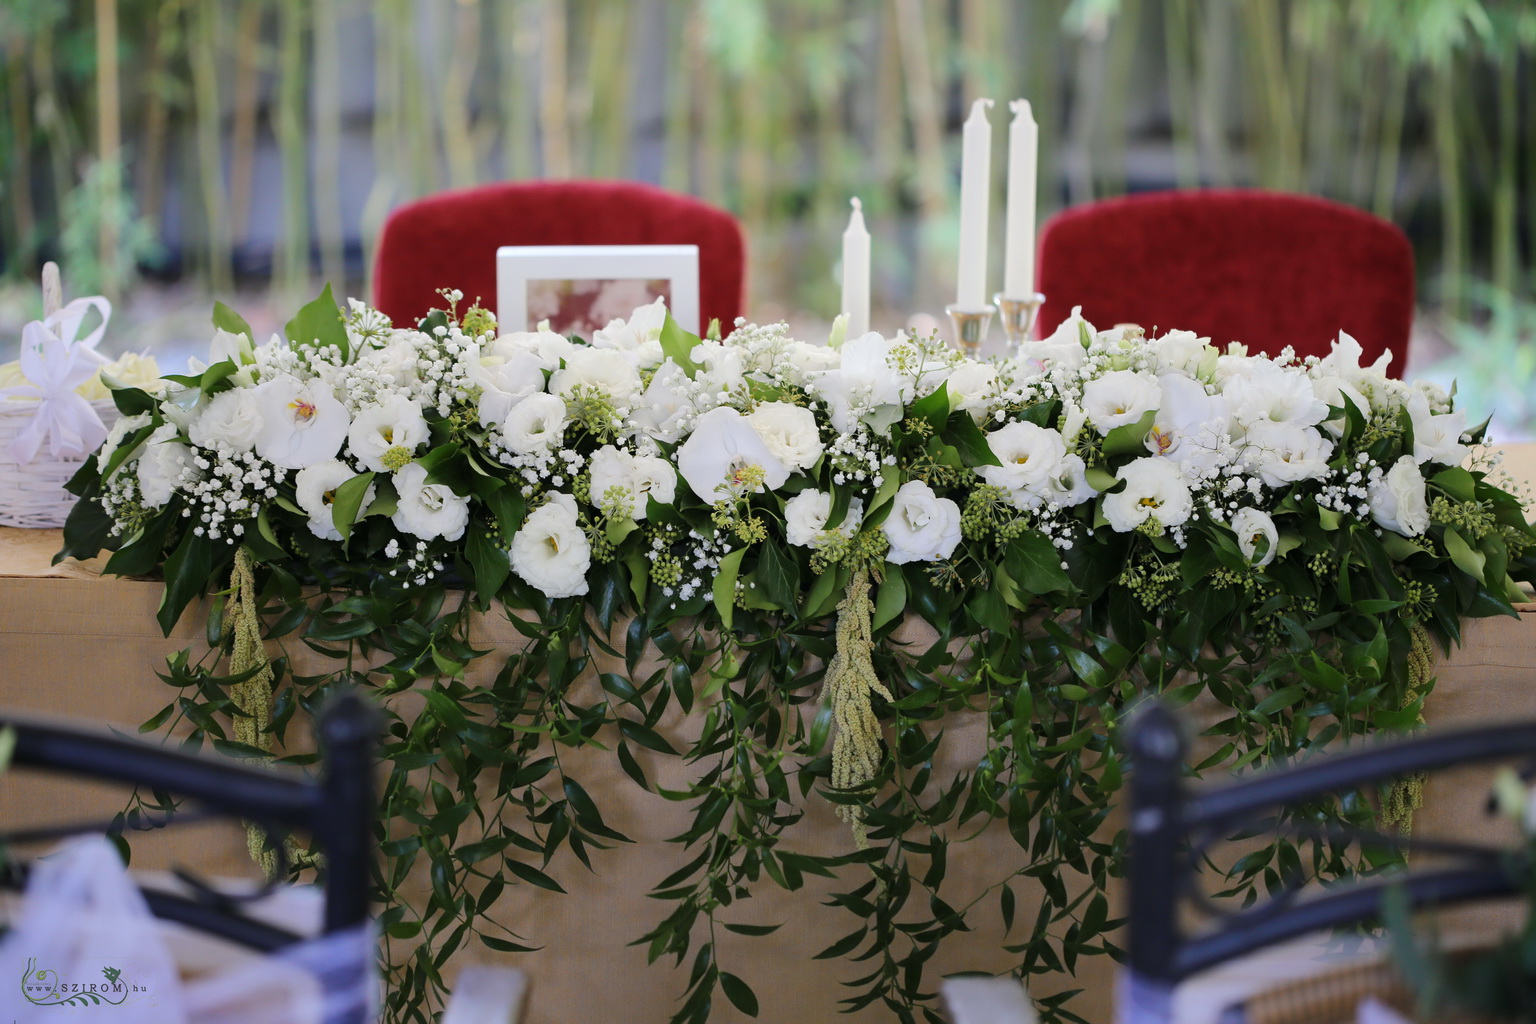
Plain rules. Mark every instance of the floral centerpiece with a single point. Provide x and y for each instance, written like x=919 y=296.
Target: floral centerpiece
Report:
x=1102 y=515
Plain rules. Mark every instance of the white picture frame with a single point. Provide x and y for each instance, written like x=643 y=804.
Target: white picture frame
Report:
x=639 y=269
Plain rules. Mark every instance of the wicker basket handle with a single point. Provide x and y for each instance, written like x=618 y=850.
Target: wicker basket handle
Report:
x=53 y=289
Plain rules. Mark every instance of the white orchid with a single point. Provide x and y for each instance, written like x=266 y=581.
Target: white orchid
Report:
x=717 y=456
x=302 y=423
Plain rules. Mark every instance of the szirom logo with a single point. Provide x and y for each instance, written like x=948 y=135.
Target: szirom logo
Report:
x=43 y=987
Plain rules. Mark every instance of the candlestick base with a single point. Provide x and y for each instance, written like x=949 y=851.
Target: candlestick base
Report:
x=1018 y=317
x=970 y=327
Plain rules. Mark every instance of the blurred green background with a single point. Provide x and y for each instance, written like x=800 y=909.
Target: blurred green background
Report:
x=169 y=151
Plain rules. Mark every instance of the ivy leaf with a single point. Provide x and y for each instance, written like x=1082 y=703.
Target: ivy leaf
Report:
x=677 y=344
x=725 y=587
x=319 y=324
x=348 y=501
x=226 y=319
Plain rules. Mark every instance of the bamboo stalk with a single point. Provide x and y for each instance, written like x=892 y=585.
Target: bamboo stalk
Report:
x=291 y=262
x=1214 y=85
x=1452 y=212
x=677 y=130
x=243 y=134
x=458 y=66
x=515 y=58
x=1087 y=92
x=714 y=134
x=1369 y=120
x=21 y=161
x=109 y=141
x=1389 y=153
x=1181 y=98
x=1112 y=129
x=389 y=16
x=57 y=129
x=1506 y=240
x=151 y=188
x=923 y=111
x=614 y=57
x=1282 y=168
x=554 y=118
x=325 y=74
x=204 y=53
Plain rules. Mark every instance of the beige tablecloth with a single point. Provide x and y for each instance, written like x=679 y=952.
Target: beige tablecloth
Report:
x=75 y=644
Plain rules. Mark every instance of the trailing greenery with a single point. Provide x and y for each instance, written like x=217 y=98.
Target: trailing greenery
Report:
x=825 y=559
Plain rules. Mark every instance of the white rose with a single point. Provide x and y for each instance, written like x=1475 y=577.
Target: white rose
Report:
x=806 y=515
x=124 y=426
x=971 y=387
x=133 y=369
x=1252 y=525
x=428 y=510
x=396 y=422
x=636 y=476
x=789 y=431
x=230 y=420
x=1397 y=500
x=1436 y=438
x=536 y=424
x=723 y=444
x=237 y=348
x=1030 y=456
x=504 y=381
x=1183 y=352
x=643 y=326
x=1119 y=397
x=802 y=361
x=163 y=466
x=599 y=369
x=922 y=527
x=1154 y=489
x=547 y=346
x=315 y=491
x=551 y=553
x=301 y=423
x=1282 y=453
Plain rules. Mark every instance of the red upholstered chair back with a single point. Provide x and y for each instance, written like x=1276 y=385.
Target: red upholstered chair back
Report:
x=450 y=240
x=1263 y=268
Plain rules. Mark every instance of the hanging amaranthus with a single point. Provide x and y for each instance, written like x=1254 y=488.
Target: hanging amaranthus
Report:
x=253 y=697
x=850 y=679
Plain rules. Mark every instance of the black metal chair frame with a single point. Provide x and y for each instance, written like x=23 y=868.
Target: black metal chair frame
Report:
x=337 y=809
x=1170 y=828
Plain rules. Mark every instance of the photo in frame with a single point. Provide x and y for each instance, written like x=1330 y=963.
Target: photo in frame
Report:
x=580 y=288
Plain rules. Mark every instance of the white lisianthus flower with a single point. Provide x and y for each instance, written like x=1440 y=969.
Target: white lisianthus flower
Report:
x=237 y=348
x=505 y=380
x=378 y=430
x=1436 y=438
x=124 y=426
x=302 y=423
x=163 y=465
x=722 y=367
x=1030 y=456
x=636 y=476
x=665 y=405
x=971 y=386
x=1064 y=348
x=789 y=431
x=1154 y=489
x=315 y=490
x=803 y=361
x=806 y=515
x=863 y=388
x=1283 y=453
x=1343 y=360
x=722 y=445
x=230 y=420
x=1068 y=487
x=1270 y=392
x=1251 y=526
x=1397 y=499
x=635 y=334
x=428 y=510
x=1190 y=427
x=1332 y=390
x=1119 y=397
x=922 y=526
x=551 y=553
x=550 y=348
x=536 y=424
x=597 y=368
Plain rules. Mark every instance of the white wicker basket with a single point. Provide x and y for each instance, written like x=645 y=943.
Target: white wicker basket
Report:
x=33 y=495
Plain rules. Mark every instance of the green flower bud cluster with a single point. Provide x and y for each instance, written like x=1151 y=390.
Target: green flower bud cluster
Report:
x=1473 y=518
x=1152 y=583
x=591 y=409
x=935 y=474
x=1419 y=604
x=989 y=513
x=738 y=518
x=397 y=458
x=478 y=321
x=865 y=549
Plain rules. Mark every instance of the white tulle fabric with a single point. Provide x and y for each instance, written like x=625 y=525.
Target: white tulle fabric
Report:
x=82 y=917
x=55 y=361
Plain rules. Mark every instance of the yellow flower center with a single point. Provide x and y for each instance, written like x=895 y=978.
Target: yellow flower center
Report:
x=302 y=410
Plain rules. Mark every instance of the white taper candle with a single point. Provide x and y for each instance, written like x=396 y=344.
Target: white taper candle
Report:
x=856 y=272
x=975 y=177
x=1023 y=154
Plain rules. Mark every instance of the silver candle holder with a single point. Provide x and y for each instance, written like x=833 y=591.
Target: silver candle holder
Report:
x=970 y=327
x=1019 y=317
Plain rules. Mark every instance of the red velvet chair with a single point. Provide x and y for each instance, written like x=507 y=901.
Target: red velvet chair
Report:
x=1263 y=268
x=450 y=240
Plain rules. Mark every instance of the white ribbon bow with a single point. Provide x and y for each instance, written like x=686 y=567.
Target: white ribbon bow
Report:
x=55 y=361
